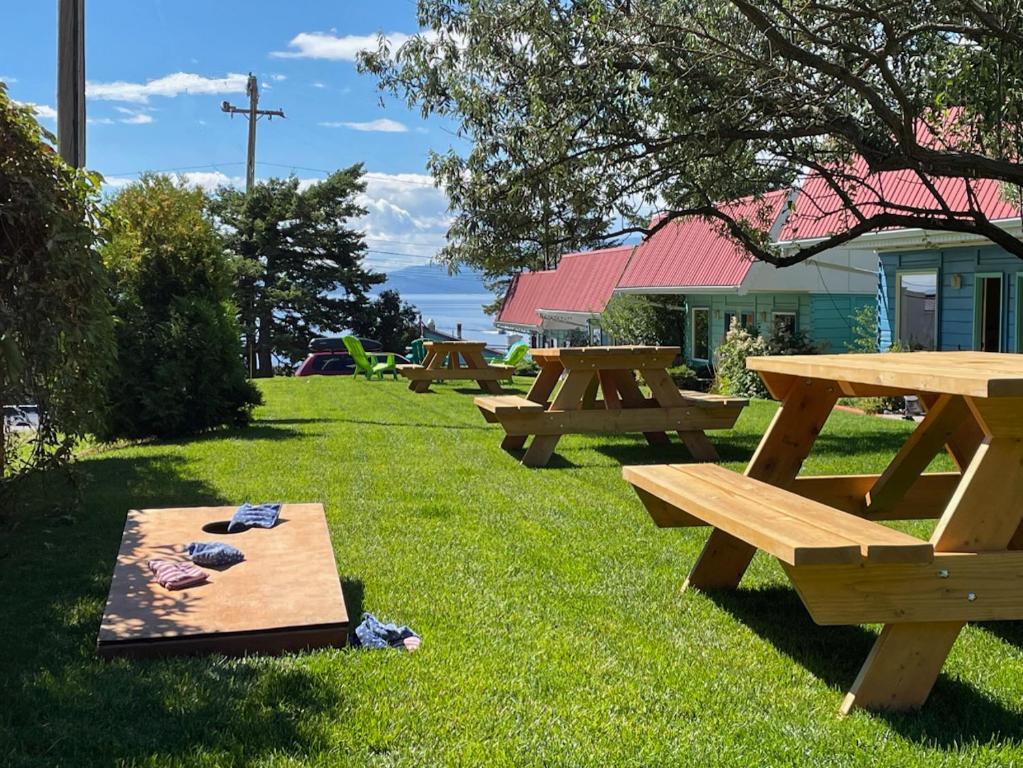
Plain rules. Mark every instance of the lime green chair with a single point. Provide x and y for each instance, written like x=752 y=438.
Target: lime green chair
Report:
x=363 y=363
x=387 y=367
x=516 y=353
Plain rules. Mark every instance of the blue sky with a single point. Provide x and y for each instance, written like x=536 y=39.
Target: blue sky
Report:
x=158 y=70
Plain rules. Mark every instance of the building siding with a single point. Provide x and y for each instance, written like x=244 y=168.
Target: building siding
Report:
x=955 y=306
x=826 y=318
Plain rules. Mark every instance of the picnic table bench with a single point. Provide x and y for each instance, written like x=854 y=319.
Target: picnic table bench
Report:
x=455 y=360
x=846 y=566
x=600 y=394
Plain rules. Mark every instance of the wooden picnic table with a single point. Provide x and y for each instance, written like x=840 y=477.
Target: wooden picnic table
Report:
x=846 y=567
x=455 y=360
x=599 y=393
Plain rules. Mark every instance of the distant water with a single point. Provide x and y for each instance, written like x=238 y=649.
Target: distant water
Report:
x=447 y=310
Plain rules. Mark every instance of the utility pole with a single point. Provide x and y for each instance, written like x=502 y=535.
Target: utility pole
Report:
x=253 y=113
x=71 y=81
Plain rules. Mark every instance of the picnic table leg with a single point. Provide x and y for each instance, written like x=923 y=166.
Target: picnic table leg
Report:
x=569 y=398
x=667 y=396
x=945 y=416
x=777 y=460
x=982 y=516
x=424 y=384
x=632 y=397
x=474 y=359
x=540 y=392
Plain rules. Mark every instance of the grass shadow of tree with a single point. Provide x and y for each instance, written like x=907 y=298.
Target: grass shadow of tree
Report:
x=59 y=694
x=956 y=711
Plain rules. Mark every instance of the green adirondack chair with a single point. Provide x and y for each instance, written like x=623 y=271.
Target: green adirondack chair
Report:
x=516 y=353
x=387 y=367
x=363 y=365
x=417 y=352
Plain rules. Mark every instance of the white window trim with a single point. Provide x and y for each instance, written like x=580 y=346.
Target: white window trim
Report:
x=692 y=335
x=899 y=274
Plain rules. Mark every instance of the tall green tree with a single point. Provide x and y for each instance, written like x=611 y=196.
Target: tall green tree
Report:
x=300 y=260
x=179 y=370
x=622 y=108
x=56 y=342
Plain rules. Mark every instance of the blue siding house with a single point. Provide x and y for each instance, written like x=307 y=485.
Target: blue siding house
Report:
x=952 y=296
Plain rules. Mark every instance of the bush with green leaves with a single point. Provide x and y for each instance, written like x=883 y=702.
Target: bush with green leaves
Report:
x=179 y=369
x=731 y=375
x=55 y=331
x=634 y=319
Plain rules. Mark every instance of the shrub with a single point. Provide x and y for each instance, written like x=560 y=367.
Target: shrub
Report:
x=631 y=319
x=732 y=376
x=179 y=368
x=684 y=377
x=55 y=329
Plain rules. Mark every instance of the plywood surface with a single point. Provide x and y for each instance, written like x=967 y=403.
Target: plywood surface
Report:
x=971 y=374
x=288 y=579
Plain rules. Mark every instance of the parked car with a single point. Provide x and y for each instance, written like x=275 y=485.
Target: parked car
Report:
x=328 y=357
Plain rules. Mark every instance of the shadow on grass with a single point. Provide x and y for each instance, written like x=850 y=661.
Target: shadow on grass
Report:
x=412 y=424
x=355 y=593
x=674 y=452
x=63 y=705
x=956 y=711
x=257 y=430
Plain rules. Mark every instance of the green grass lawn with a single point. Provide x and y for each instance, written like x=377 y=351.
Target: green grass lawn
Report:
x=554 y=631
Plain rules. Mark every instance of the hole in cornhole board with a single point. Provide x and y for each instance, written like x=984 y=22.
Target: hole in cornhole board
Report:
x=222 y=527
x=285 y=595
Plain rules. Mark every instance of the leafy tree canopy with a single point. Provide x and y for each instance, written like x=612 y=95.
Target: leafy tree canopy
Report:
x=299 y=261
x=56 y=341
x=587 y=116
x=179 y=370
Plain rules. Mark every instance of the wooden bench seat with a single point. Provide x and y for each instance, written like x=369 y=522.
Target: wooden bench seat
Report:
x=707 y=397
x=796 y=530
x=507 y=404
x=419 y=373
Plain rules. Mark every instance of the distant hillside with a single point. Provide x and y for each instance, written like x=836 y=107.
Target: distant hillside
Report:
x=433 y=278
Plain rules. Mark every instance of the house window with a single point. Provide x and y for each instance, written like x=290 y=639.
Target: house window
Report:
x=745 y=321
x=701 y=333
x=783 y=323
x=916 y=304
x=987 y=312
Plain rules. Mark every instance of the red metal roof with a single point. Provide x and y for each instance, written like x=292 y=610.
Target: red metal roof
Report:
x=583 y=282
x=694 y=251
x=819 y=212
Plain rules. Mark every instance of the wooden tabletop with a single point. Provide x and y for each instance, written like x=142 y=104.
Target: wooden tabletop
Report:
x=971 y=374
x=455 y=345
x=607 y=358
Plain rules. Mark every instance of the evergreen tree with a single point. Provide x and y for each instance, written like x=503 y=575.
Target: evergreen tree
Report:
x=300 y=268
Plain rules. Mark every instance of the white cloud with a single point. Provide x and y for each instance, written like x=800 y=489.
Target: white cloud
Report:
x=278 y=77
x=7 y=79
x=382 y=125
x=167 y=86
x=406 y=216
x=318 y=84
x=325 y=45
x=139 y=119
x=99 y=121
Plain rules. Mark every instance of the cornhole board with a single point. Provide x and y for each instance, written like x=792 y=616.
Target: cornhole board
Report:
x=285 y=595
